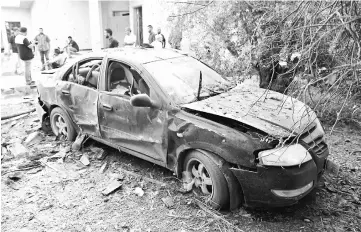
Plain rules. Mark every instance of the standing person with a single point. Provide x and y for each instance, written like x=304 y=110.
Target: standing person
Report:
x=72 y=47
x=162 y=38
x=113 y=43
x=129 y=39
x=25 y=49
x=43 y=43
x=151 y=37
x=14 y=49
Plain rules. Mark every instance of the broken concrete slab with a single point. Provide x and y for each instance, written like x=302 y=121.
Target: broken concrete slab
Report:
x=19 y=150
x=33 y=138
x=112 y=187
x=85 y=160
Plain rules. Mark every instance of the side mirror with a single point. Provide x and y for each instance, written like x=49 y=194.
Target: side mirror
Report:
x=141 y=100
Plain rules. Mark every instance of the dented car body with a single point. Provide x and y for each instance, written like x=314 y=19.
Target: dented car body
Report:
x=160 y=105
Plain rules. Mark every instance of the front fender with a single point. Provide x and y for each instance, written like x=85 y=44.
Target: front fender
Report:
x=188 y=131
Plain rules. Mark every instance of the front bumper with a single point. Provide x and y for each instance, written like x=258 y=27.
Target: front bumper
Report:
x=257 y=185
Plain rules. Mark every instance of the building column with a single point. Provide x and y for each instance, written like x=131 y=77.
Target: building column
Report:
x=95 y=22
x=4 y=37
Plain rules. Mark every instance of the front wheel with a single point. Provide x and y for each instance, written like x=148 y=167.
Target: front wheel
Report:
x=208 y=177
x=61 y=124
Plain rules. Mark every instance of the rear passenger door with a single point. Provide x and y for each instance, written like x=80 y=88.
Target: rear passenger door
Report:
x=80 y=99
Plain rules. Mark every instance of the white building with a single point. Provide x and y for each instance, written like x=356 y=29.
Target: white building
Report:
x=84 y=20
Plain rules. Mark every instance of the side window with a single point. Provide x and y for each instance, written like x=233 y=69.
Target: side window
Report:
x=85 y=72
x=124 y=80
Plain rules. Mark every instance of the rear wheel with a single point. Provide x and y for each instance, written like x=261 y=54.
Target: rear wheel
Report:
x=208 y=178
x=61 y=124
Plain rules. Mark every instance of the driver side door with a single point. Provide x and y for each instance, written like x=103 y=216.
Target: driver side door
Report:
x=78 y=99
x=140 y=131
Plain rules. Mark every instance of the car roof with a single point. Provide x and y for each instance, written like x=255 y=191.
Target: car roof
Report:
x=138 y=55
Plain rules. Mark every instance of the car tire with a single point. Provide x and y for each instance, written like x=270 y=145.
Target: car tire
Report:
x=218 y=190
x=61 y=124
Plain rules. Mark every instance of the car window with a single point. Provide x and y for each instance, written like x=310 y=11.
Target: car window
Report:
x=179 y=77
x=86 y=72
x=124 y=80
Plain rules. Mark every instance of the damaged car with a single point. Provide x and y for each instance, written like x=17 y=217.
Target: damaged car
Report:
x=239 y=144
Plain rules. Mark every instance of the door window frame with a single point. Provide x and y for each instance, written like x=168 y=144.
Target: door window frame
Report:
x=70 y=69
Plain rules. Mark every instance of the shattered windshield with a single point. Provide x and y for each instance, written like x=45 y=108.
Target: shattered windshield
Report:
x=179 y=77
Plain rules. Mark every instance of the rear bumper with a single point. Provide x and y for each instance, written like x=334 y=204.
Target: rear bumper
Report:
x=257 y=185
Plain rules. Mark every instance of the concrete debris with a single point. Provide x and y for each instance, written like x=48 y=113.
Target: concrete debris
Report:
x=104 y=167
x=112 y=187
x=18 y=150
x=77 y=145
x=85 y=160
x=139 y=191
x=168 y=201
x=33 y=138
x=29 y=165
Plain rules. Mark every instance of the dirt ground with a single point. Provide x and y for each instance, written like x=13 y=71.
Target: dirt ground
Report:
x=49 y=189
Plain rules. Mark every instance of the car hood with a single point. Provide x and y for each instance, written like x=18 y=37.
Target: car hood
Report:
x=274 y=113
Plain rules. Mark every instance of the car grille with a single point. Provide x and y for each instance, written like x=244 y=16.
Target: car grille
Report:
x=314 y=138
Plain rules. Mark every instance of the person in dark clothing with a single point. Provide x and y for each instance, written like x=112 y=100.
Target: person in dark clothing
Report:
x=14 y=49
x=113 y=43
x=25 y=49
x=72 y=46
x=151 y=37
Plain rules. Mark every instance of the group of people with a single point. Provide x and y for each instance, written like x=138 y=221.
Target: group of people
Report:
x=25 y=48
x=156 y=40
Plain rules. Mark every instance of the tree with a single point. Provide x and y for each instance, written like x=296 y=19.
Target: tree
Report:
x=294 y=46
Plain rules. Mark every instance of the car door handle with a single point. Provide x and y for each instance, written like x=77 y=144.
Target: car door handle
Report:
x=107 y=107
x=65 y=92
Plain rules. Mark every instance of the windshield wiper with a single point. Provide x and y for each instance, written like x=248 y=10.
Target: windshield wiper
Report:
x=199 y=85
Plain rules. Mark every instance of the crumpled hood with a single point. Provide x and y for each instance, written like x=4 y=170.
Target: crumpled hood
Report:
x=274 y=113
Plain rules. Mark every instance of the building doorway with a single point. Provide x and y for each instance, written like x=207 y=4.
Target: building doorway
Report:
x=118 y=23
x=138 y=25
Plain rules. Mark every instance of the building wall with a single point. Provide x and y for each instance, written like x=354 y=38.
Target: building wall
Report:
x=154 y=14
x=13 y=14
x=59 y=19
x=116 y=23
x=21 y=15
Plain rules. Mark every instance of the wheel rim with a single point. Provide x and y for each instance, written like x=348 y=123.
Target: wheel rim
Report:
x=59 y=125
x=200 y=176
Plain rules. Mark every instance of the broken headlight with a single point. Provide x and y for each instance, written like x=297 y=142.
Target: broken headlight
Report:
x=290 y=155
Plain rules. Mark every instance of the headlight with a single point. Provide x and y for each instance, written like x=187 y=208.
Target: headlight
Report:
x=285 y=156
